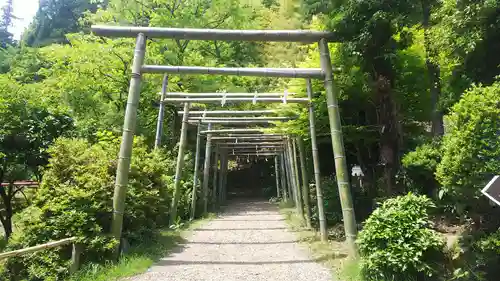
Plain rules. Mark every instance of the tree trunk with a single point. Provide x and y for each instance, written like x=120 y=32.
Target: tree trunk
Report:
x=433 y=72
x=389 y=133
x=6 y=193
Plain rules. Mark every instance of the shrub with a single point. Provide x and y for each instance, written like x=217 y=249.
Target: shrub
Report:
x=478 y=257
x=75 y=199
x=331 y=200
x=471 y=148
x=397 y=243
x=420 y=166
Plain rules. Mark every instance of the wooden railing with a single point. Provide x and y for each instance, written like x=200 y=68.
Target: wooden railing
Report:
x=75 y=254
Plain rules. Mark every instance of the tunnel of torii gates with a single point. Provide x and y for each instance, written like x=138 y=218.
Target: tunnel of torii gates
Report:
x=230 y=141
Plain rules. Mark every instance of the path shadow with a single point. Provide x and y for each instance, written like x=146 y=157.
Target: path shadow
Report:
x=233 y=229
x=167 y=262
x=242 y=243
x=223 y=220
x=187 y=262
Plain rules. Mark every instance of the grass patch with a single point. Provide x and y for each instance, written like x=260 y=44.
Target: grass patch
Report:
x=332 y=254
x=139 y=257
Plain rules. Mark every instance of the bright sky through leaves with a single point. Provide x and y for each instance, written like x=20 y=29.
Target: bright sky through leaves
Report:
x=24 y=10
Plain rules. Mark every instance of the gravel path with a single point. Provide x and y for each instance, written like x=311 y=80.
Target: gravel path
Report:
x=248 y=242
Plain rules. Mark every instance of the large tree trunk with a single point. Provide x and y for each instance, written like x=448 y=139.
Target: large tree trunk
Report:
x=389 y=132
x=6 y=193
x=433 y=72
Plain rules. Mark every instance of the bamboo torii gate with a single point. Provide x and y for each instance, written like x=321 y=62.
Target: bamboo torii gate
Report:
x=250 y=146
x=325 y=73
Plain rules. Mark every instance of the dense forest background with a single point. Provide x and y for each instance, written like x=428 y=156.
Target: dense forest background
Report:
x=420 y=108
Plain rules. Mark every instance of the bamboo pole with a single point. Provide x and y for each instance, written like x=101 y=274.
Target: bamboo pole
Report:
x=244 y=118
x=277 y=143
x=236 y=100
x=263 y=154
x=235 y=122
x=48 y=245
x=338 y=150
x=180 y=167
x=161 y=112
x=245 y=133
x=206 y=170
x=218 y=95
x=305 y=181
x=295 y=171
x=283 y=177
x=232 y=131
x=76 y=251
x=122 y=170
x=224 y=178
x=276 y=175
x=215 y=168
x=305 y=36
x=228 y=112
x=223 y=158
x=237 y=71
x=244 y=152
x=291 y=187
x=195 y=174
x=252 y=148
x=248 y=138
x=317 y=175
x=251 y=140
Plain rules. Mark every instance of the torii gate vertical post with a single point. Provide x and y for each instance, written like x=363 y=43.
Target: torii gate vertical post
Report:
x=317 y=175
x=226 y=168
x=122 y=169
x=305 y=181
x=283 y=177
x=206 y=170
x=276 y=174
x=215 y=176
x=287 y=174
x=161 y=112
x=180 y=165
x=223 y=163
x=338 y=150
x=295 y=172
x=195 y=173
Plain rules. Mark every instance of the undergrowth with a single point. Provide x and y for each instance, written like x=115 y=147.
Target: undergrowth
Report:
x=331 y=254
x=139 y=257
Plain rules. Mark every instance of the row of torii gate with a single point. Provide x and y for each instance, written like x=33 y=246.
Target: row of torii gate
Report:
x=233 y=141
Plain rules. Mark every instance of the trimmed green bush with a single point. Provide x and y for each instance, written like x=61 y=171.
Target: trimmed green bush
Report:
x=75 y=199
x=397 y=243
x=471 y=149
x=420 y=166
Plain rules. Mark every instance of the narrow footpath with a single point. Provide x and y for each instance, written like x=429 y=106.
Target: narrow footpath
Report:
x=248 y=242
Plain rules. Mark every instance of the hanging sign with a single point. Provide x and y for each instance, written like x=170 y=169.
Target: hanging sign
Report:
x=492 y=190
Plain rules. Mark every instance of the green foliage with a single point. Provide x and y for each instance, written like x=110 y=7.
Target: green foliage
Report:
x=75 y=199
x=331 y=200
x=27 y=129
x=465 y=34
x=397 y=242
x=56 y=18
x=486 y=257
x=420 y=166
x=6 y=18
x=471 y=148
